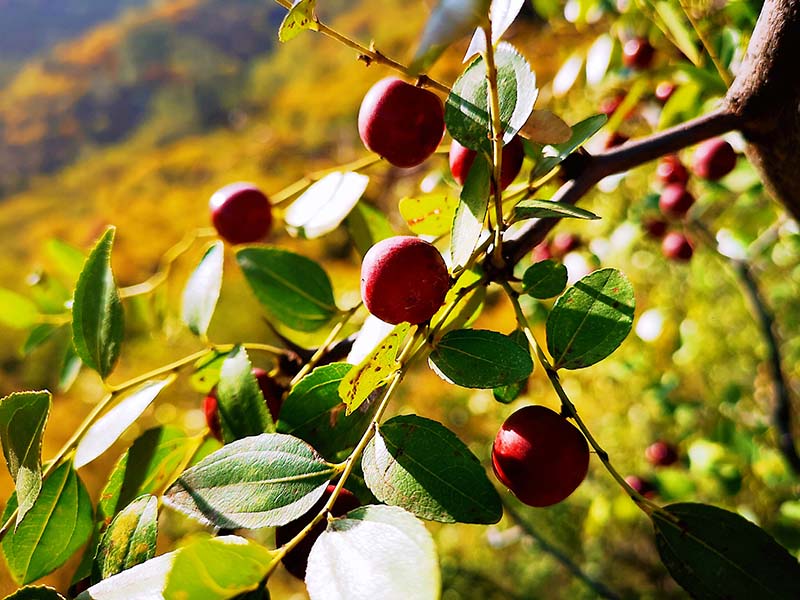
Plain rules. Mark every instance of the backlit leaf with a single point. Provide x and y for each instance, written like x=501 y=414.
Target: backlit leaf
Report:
x=554 y=155
x=324 y=205
x=429 y=214
x=299 y=18
x=129 y=540
x=202 y=291
x=471 y=212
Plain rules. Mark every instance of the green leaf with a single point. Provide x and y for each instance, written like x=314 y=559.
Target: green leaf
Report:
x=59 y=523
x=390 y=555
x=67 y=259
x=538 y=209
x=468 y=307
x=107 y=429
x=544 y=279
x=293 y=288
x=202 y=291
x=421 y=466
x=206 y=371
x=681 y=32
x=325 y=204
x=218 y=569
x=97 y=318
x=476 y=358
x=70 y=367
x=260 y=481
x=716 y=554
x=466 y=112
x=508 y=393
x=38 y=336
x=314 y=412
x=299 y=18
x=129 y=540
x=373 y=371
x=554 y=154
x=429 y=214
x=242 y=408
x=17 y=312
x=152 y=463
x=590 y=320
x=471 y=212
x=23 y=416
x=367 y=226
x=684 y=104
x=35 y=592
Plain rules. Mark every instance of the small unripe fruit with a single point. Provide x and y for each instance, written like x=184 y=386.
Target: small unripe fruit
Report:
x=661 y=454
x=670 y=169
x=637 y=53
x=713 y=159
x=540 y=456
x=643 y=486
x=655 y=228
x=461 y=159
x=676 y=246
x=564 y=242
x=675 y=201
x=273 y=396
x=401 y=122
x=404 y=278
x=664 y=91
x=296 y=560
x=241 y=213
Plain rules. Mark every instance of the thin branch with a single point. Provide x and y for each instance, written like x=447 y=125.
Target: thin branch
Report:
x=629 y=155
x=596 y=586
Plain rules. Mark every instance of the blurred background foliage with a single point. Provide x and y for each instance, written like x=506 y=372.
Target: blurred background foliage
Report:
x=133 y=112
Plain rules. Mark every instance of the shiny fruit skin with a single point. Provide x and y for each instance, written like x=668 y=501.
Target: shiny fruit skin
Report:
x=540 y=456
x=296 y=560
x=713 y=159
x=676 y=246
x=637 y=53
x=670 y=169
x=273 y=396
x=661 y=454
x=401 y=122
x=404 y=278
x=461 y=159
x=675 y=201
x=241 y=213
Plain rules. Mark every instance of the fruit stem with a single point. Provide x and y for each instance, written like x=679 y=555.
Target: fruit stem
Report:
x=370 y=55
x=497 y=147
x=165 y=265
x=323 y=348
x=403 y=360
x=568 y=408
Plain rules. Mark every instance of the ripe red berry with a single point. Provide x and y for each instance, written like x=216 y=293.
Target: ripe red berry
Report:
x=655 y=228
x=675 y=201
x=670 y=169
x=461 y=159
x=637 y=53
x=296 y=560
x=643 y=486
x=401 y=122
x=664 y=91
x=241 y=213
x=661 y=454
x=541 y=252
x=273 y=396
x=540 y=456
x=564 y=242
x=676 y=246
x=713 y=159
x=404 y=278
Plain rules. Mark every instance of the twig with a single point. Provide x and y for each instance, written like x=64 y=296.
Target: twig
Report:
x=596 y=586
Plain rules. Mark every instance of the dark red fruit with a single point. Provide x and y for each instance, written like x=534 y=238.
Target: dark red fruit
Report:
x=564 y=242
x=661 y=454
x=540 y=456
x=296 y=560
x=461 y=159
x=643 y=486
x=241 y=213
x=610 y=105
x=670 y=169
x=655 y=228
x=664 y=91
x=273 y=396
x=675 y=201
x=616 y=139
x=713 y=159
x=637 y=53
x=676 y=246
x=404 y=278
x=541 y=252
x=401 y=122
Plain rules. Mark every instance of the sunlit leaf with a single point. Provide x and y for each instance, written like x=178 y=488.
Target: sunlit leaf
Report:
x=538 y=209
x=681 y=32
x=554 y=155
x=502 y=14
x=510 y=392
x=544 y=279
x=242 y=409
x=299 y=18
x=598 y=58
x=202 y=291
x=471 y=212
x=325 y=204
x=129 y=540
x=429 y=214
x=16 y=311
x=367 y=226
x=544 y=127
